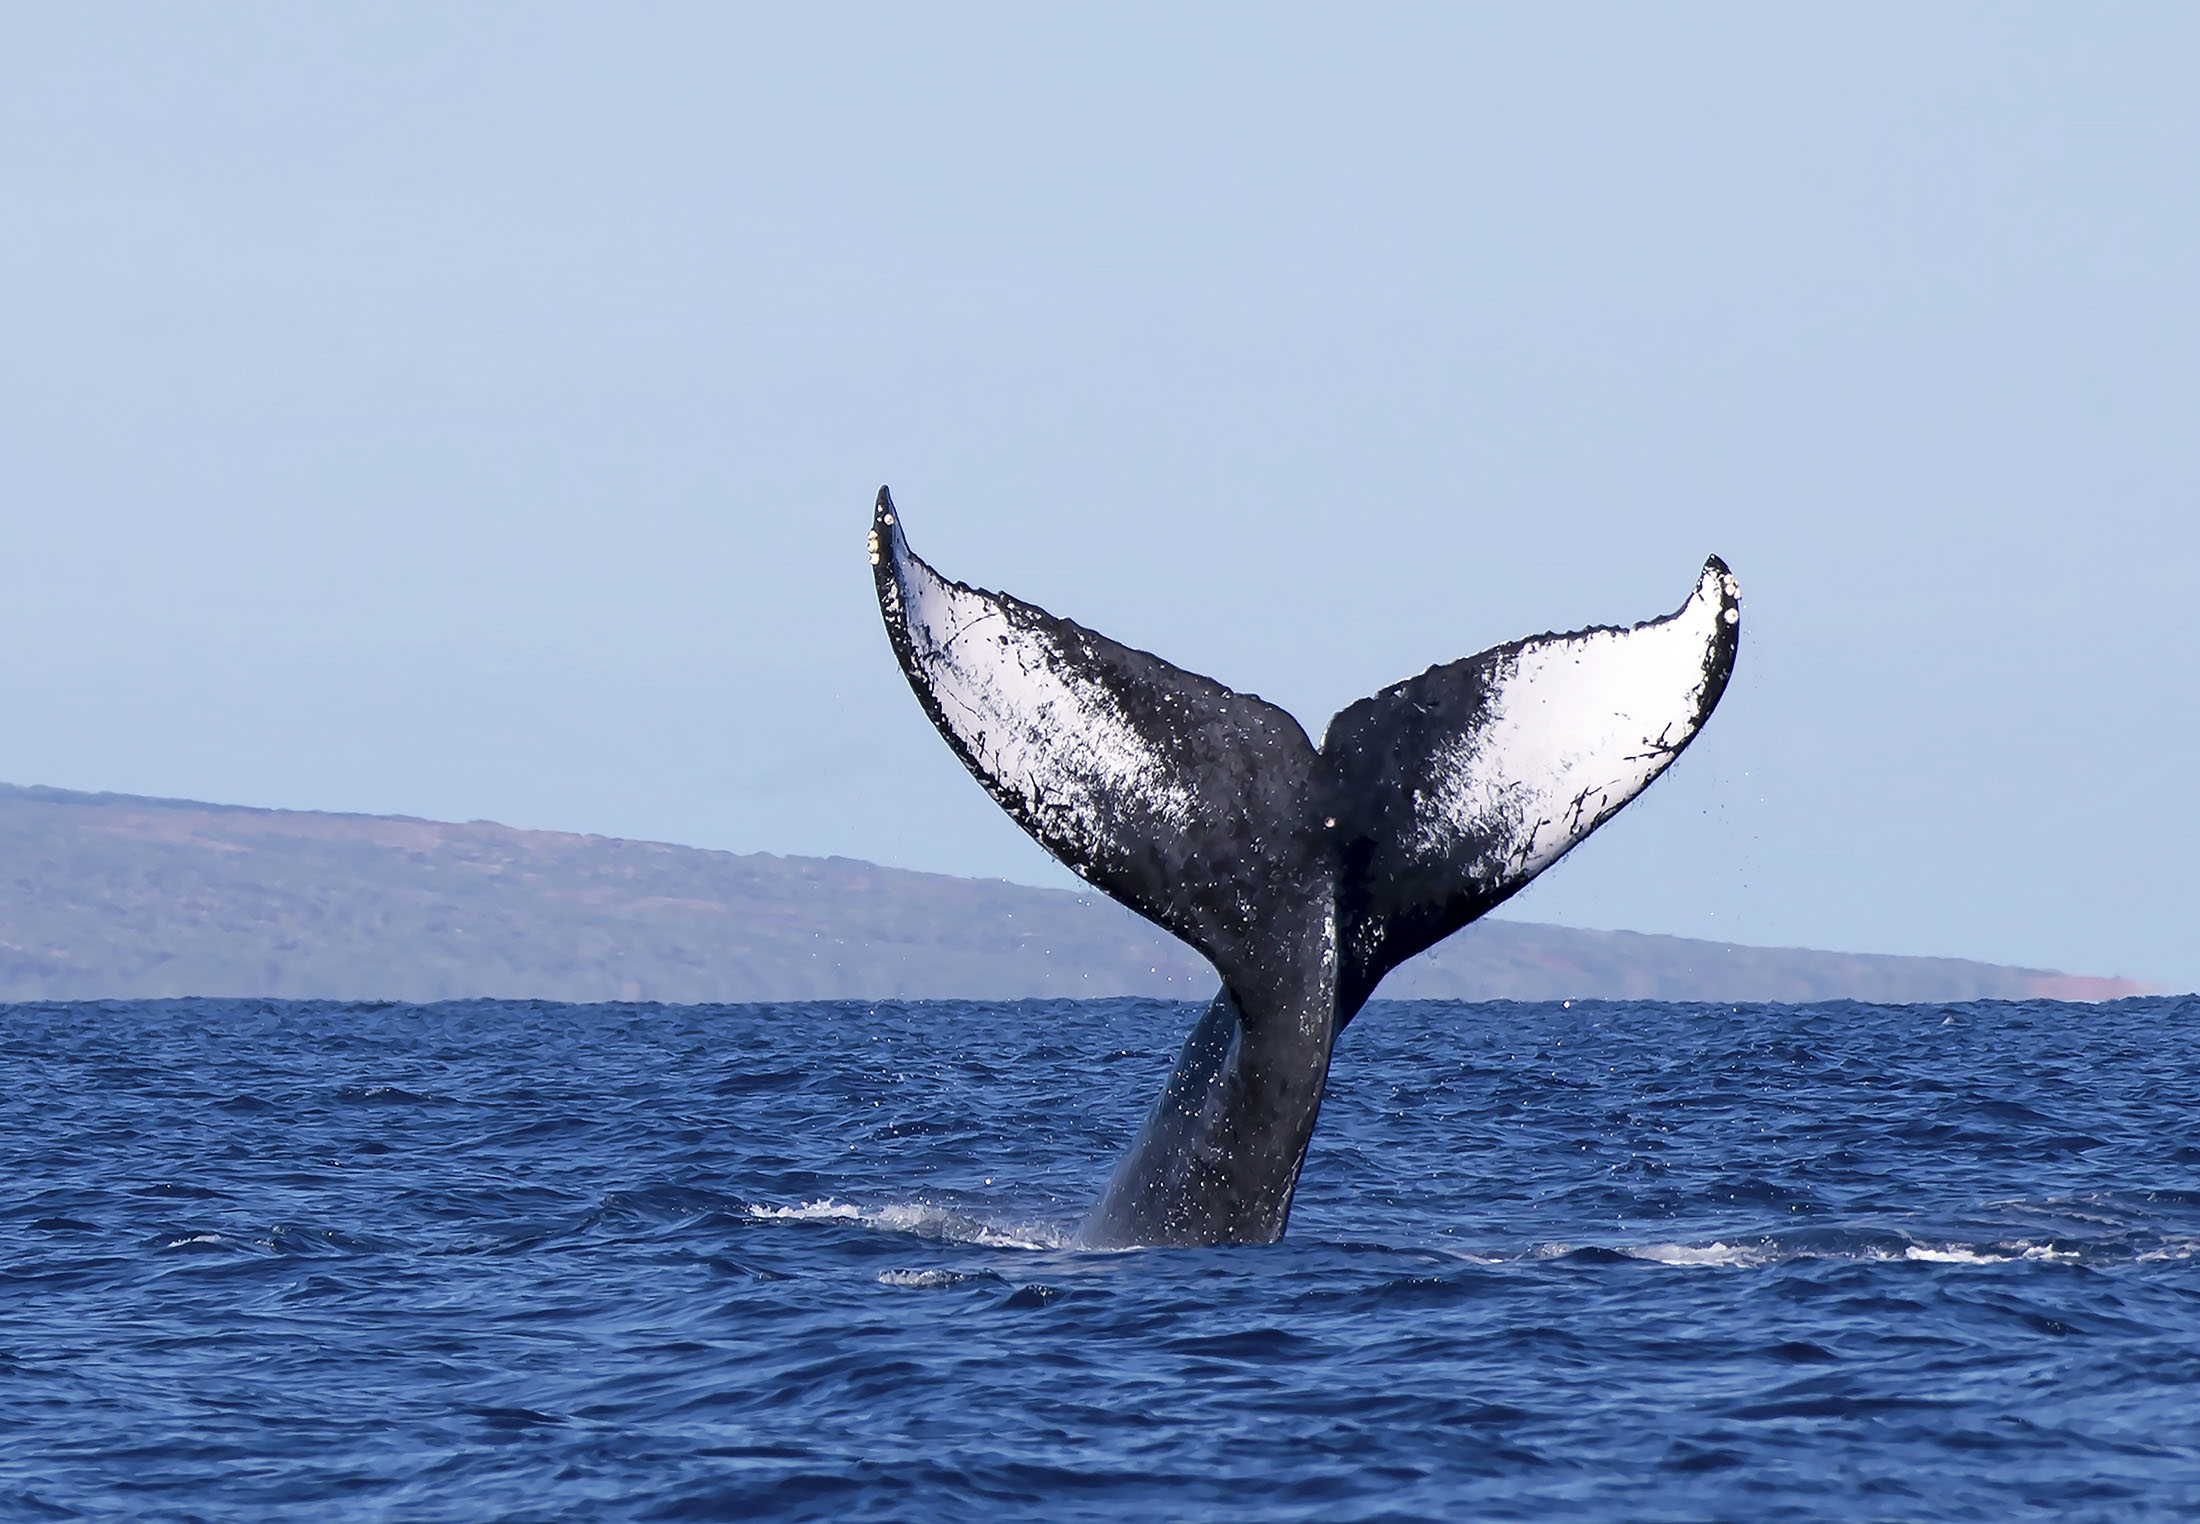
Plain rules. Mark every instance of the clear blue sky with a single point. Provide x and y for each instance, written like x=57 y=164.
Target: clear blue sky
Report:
x=474 y=412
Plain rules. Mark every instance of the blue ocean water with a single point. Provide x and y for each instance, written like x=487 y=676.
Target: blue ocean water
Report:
x=1600 y=1261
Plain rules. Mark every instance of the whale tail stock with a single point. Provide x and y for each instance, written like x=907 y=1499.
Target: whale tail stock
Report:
x=1303 y=873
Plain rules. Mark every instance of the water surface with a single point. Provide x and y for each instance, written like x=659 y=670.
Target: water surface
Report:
x=1599 y=1261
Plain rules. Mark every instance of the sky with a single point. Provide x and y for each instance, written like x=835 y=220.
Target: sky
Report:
x=474 y=412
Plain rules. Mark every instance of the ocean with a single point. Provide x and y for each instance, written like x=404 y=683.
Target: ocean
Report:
x=1587 y=1261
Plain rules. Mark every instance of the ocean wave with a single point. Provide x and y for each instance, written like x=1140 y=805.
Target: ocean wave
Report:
x=1640 y=1261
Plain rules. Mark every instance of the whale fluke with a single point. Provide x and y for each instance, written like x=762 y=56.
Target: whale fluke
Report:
x=1303 y=874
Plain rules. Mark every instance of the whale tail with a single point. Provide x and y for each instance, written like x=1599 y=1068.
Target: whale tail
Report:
x=1303 y=873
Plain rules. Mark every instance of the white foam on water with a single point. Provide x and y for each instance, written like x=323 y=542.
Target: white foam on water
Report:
x=827 y=1210
x=928 y=1220
x=1951 y=1256
x=1707 y=1254
x=931 y=1280
x=921 y=1219
x=1775 y=1253
x=1990 y=1254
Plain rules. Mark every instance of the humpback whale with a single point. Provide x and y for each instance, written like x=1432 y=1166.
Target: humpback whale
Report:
x=1304 y=873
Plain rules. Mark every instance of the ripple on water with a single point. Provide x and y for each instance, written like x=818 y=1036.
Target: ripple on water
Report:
x=1598 y=1262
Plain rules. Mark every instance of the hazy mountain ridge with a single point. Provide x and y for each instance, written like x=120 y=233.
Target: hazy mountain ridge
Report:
x=105 y=895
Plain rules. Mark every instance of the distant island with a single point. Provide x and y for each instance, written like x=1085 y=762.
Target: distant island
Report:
x=113 y=896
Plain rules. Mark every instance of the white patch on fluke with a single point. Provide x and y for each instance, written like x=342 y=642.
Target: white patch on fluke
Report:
x=1056 y=747
x=1577 y=725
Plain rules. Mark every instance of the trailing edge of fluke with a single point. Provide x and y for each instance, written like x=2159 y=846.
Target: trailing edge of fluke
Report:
x=1303 y=873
